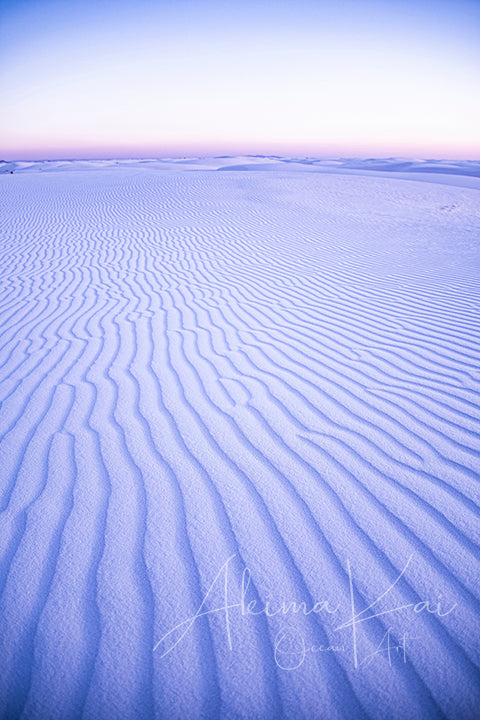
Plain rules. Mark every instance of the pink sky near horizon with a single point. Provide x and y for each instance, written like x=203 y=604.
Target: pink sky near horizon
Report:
x=234 y=150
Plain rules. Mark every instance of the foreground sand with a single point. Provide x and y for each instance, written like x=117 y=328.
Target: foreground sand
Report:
x=227 y=387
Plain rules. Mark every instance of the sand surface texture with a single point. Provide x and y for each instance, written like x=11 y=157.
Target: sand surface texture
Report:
x=239 y=456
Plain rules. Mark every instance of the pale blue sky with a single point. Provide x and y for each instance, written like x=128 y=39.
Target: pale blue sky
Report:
x=100 y=78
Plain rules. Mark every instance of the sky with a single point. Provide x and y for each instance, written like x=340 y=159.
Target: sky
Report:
x=169 y=78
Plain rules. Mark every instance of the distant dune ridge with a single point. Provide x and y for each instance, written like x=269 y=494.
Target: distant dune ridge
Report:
x=454 y=172
x=240 y=447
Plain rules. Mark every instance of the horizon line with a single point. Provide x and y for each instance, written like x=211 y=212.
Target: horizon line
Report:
x=290 y=156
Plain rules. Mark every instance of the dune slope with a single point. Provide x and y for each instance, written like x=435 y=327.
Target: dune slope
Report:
x=239 y=453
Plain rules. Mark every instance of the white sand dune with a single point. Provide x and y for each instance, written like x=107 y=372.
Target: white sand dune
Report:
x=228 y=388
